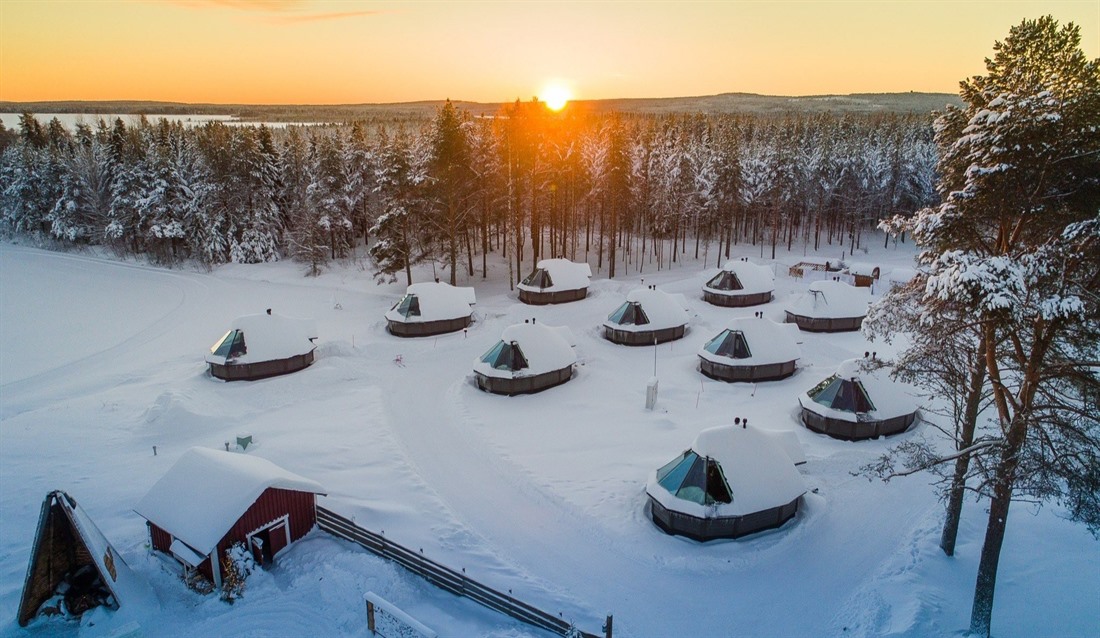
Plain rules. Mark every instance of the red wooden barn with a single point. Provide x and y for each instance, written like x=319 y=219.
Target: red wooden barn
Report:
x=211 y=499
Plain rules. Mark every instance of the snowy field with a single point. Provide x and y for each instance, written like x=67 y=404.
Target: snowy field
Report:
x=542 y=495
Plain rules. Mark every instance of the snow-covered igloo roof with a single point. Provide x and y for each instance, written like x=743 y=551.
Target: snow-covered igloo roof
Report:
x=758 y=475
x=564 y=275
x=754 y=279
x=543 y=349
x=661 y=309
x=832 y=300
x=762 y=340
x=902 y=275
x=863 y=268
x=267 y=337
x=436 y=301
x=204 y=493
x=860 y=387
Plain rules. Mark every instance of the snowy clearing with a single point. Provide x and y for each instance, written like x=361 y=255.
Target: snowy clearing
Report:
x=542 y=494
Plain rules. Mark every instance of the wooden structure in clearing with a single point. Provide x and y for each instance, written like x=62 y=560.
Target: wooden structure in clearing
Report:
x=210 y=500
x=70 y=550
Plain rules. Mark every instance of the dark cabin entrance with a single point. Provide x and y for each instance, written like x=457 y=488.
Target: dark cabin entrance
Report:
x=268 y=542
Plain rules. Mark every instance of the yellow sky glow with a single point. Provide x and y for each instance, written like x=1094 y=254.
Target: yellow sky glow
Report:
x=342 y=52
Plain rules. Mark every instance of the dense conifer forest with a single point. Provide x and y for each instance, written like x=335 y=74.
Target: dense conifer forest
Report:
x=625 y=190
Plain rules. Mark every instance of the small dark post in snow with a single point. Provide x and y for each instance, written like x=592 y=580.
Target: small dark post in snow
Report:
x=370 y=617
x=269 y=311
x=227 y=446
x=607 y=626
x=154 y=450
x=737 y=421
x=745 y=424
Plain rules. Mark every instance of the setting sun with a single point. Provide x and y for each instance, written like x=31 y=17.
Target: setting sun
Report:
x=555 y=95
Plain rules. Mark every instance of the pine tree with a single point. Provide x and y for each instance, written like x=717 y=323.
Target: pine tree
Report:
x=449 y=182
x=1014 y=249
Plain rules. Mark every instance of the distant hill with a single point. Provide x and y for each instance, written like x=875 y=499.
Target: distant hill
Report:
x=723 y=103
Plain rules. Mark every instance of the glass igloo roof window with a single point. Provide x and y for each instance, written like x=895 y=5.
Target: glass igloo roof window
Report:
x=409 y=306
x=629 y=313
x=696 y=479
x=231 y=345
x=725 y=280
x=538 y=279
x=505 y=356
x=729 y=343
x=838 y=393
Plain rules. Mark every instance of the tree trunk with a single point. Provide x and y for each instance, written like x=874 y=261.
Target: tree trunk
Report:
x=962 y=464
x=981 y=614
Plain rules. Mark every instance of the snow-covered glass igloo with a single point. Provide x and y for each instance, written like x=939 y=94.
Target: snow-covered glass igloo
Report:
x=740 y=283
x=859 y=402
x=529 y=357
x=263 y=345
x=734 y=480
x=555 y=281
x=750 y=349
x=431 y=308
x=830 y=306
x=648 y=316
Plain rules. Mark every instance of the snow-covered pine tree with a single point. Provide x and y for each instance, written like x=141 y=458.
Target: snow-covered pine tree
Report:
x=1015 y=249
x=448 y=187
x=81 y=212
x=399 y=178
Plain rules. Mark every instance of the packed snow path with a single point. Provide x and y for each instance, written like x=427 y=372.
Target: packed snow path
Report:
x=540 y=494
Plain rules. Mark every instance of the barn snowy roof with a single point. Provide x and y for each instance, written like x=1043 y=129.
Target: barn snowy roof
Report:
x=545 y=348
x=759 y=473
x=564 y=275
x=767 y=342
x=200 y=497
x=888 y=398
x=832 y=300
x=755 y=279
x=437 y=301
x=661 y=309
x=268 y=337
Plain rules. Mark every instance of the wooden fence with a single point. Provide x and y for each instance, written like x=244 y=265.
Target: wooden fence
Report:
x=448 y=579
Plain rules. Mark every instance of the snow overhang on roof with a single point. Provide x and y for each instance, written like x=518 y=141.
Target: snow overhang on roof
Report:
x=438 y=302
x=755 y=279
x=269 y=337
x=206 y=491
x=890 y=398
x=565 y=275
x=760 y=474
x=662 y=309
x=832 y=300
x=546 y=348
x=768 y=342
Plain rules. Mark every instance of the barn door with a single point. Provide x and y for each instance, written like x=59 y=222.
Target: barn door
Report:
x=279 y=537
x=257 y=547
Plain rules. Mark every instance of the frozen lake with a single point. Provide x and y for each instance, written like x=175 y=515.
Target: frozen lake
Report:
x=70 y=120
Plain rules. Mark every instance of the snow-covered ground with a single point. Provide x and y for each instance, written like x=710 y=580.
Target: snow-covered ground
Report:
x=542 y=495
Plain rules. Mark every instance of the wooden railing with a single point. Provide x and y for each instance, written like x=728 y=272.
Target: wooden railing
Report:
x=448 y=579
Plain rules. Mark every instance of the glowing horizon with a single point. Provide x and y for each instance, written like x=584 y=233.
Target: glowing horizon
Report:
x=333 y=52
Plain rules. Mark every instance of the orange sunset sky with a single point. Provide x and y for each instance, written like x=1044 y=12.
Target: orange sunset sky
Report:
x=335 y=52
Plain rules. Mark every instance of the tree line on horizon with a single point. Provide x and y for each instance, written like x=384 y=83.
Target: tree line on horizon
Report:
x=627 y=191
